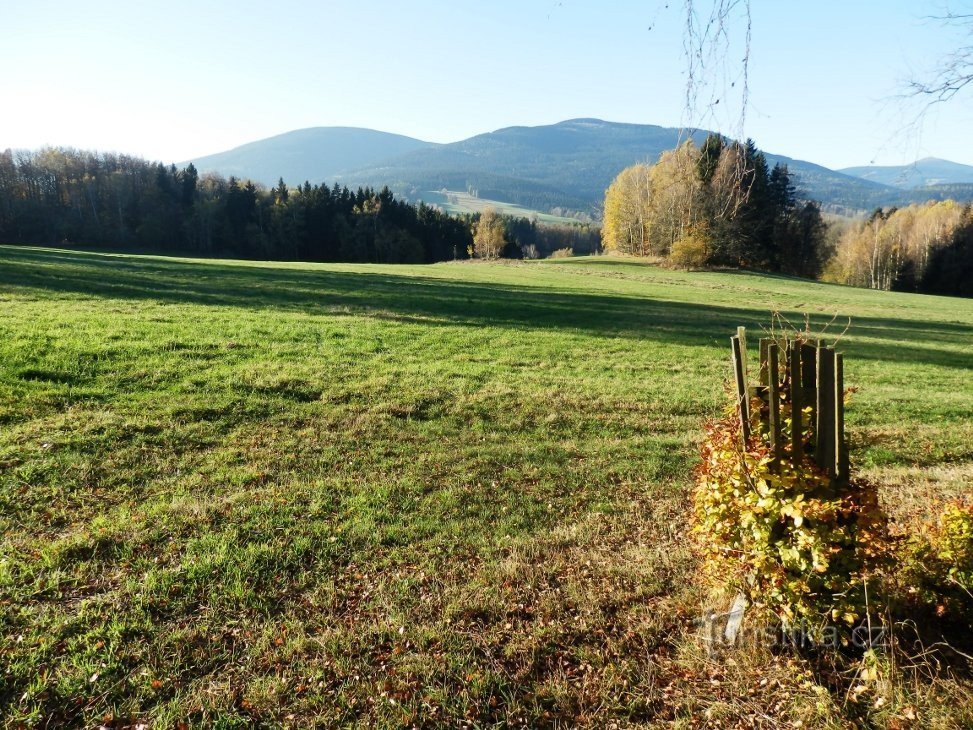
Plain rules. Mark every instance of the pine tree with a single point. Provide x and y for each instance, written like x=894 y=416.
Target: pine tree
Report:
x=280 y=193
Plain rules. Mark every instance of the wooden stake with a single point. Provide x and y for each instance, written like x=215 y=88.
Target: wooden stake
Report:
x=742 y=334
x=809 y=365
x=764 y=344
x=840 y=447
x=797 y=404
x=760 y=390
x=824 y=435
x=773 y=400
x=743 y=400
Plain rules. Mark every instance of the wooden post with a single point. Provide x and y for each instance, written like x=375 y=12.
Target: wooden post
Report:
x=815 y=376
x=809 y=365
x=743 y=398
x=824 y=436
x=840 y=448
x=797 y=404
x=764 y=345
x=761 y=390
x=742 y=334
x=809 y=361
x=773 y=399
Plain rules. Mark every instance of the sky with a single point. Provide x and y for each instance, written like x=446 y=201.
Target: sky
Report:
x=175 y=80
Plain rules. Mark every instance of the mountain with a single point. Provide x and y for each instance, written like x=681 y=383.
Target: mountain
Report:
x=837 y=192
x=927 y=172
x=566 y=165
x=317 y=154
x=570 y=164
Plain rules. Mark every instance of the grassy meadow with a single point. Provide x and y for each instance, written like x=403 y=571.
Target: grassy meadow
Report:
x=459 y=202
x=237 y=493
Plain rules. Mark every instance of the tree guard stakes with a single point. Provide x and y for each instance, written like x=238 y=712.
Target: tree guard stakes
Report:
x=809 y=377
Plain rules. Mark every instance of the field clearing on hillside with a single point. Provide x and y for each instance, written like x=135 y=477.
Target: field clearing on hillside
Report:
x=285 y=494
x=457 y=202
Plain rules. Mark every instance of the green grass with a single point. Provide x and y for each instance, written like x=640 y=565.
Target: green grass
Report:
x=287 y=494
x=458 y=202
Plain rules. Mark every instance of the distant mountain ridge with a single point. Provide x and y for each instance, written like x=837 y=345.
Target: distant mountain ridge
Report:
x=567 y=165
x=315 y=154
x=922 y=173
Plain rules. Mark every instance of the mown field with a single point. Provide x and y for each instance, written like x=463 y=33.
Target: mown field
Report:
x=459 y=202
x=237 y=493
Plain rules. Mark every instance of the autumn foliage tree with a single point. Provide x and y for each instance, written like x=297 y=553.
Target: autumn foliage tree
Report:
x=675 y=199
x=719 y=204
x=626 y=212
x=896 y=248
x=489 y=238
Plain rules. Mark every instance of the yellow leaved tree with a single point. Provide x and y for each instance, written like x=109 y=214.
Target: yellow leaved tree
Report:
x=488 y=235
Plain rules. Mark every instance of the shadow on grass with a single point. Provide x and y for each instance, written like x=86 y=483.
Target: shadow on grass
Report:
x=415 y=298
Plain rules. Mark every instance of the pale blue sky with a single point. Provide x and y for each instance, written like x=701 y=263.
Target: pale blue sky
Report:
x=181 y=79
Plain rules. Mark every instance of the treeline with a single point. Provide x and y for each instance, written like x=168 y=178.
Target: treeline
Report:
x=64 y=195
x=525 y=238
x=715 y=205
x=503 y=236
x=926 y=248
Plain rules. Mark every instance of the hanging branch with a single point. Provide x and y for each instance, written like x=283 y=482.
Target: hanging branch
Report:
x=707 y=45
x=955 y=70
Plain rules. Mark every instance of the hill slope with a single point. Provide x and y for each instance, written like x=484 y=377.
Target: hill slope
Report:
x=927 y=172
x=260 y=494
x=316 y=154
x=566 y=165
x=570 y=164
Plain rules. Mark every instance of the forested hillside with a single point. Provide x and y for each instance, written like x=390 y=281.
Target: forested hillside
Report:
x=56 y=196
x=565 y=166
x=317 y=154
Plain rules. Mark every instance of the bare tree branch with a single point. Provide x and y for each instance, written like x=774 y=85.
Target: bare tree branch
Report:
x=954 y=71
x=718 y=68
x=717 y=62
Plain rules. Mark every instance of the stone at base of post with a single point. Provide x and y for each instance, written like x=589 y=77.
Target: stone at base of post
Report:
x=735 y=619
